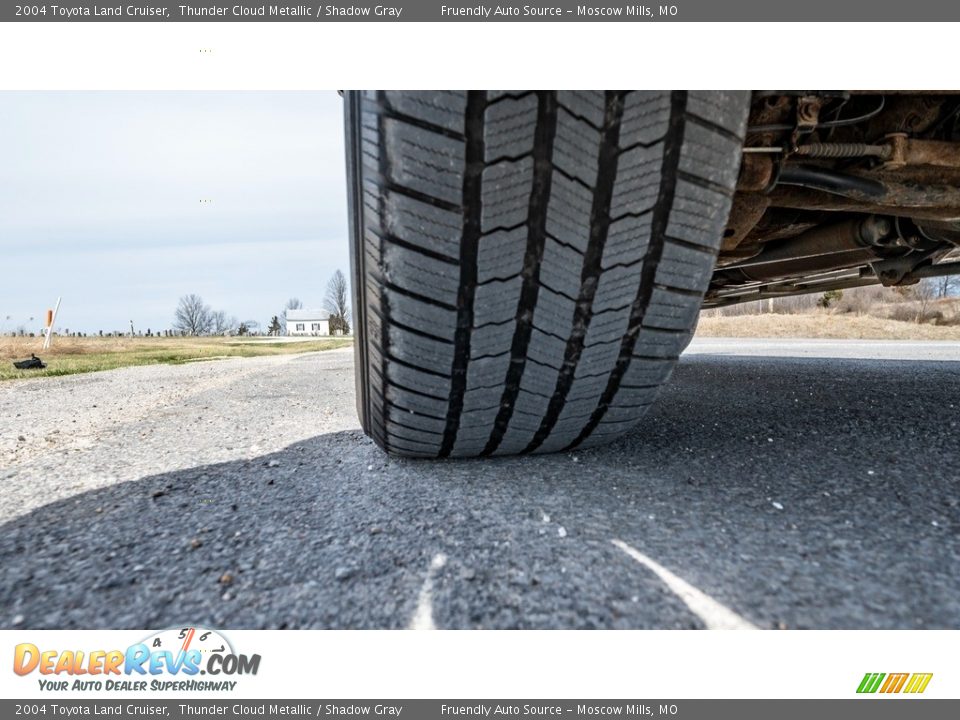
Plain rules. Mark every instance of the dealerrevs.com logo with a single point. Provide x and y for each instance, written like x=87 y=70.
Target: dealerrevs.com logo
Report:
x=169 y=660
x=889 y=683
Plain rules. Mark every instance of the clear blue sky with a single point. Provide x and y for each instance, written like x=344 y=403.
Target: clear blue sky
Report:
x=100 y=202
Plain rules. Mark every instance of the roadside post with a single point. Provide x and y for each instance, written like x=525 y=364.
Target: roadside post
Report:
x=51 y=319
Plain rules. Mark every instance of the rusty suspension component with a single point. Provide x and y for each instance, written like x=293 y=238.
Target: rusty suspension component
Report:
x=892 y=183
x=760 y=173
x=821 y=249
x=897 y=151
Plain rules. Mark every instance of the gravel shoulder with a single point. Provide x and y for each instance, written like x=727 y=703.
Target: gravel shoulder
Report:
x=92 y=430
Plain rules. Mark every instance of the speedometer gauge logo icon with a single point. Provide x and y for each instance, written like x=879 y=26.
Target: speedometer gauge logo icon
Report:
x=180 y=640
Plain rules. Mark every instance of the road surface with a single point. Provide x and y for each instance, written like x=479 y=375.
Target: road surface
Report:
x=776 y=484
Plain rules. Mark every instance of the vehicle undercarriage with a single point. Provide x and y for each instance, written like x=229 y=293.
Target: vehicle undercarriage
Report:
x=840 y=190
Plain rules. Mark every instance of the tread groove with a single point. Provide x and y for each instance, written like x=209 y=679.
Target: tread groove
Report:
x=673 y=145
x=411 y=330
x=409 y=411
x=704 y=183
x=565 y=244
x=624 y=216
x=393 y=114
x=577 y=116
x=546 y=127
x=417 y=296
x=399 y=189
x=503 y=228
x=426 y=252
x=412 y=366
x=680 y=291
x=412 y=391
x=644 y=145
x=607 y=157
x=469 y=249
x=710 y=125
x=691 y=246
x=509 y=96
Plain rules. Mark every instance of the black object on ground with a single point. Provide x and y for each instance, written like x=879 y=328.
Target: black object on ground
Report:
x=33 y=363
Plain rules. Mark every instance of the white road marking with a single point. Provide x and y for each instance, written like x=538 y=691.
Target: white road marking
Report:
x=714 y=615
x=423 y=617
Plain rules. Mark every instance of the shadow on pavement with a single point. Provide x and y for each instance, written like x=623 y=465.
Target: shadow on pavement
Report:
x=797 y=493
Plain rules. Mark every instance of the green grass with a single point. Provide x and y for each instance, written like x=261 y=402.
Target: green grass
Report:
x=69 y=356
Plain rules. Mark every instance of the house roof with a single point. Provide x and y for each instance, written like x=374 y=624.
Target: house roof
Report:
x=307 y=315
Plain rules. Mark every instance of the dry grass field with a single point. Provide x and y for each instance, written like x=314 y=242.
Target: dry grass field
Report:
x=69 y=355
x=823 y=325
x=870 y=313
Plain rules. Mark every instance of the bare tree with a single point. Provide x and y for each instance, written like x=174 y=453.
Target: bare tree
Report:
x=292 y=304
x=923 y=292
x=335 y=302
x=220 y=322
x=193 y=316
x=947 y=285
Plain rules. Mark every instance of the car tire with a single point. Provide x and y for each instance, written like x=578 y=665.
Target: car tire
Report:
x=528 y=266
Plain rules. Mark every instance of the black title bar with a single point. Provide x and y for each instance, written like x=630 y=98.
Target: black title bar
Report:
x=453 y=11
x=190 y=709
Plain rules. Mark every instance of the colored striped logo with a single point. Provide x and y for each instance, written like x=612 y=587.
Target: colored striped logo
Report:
x=894 y=682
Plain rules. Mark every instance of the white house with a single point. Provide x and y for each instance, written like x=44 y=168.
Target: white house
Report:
x=308 y=322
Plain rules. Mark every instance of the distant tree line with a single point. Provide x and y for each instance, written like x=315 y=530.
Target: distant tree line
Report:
x=194 y=317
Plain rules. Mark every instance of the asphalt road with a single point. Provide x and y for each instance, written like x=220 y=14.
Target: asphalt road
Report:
x=777 y=484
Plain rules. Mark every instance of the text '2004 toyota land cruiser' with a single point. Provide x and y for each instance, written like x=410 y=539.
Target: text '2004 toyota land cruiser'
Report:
x=528 y=266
